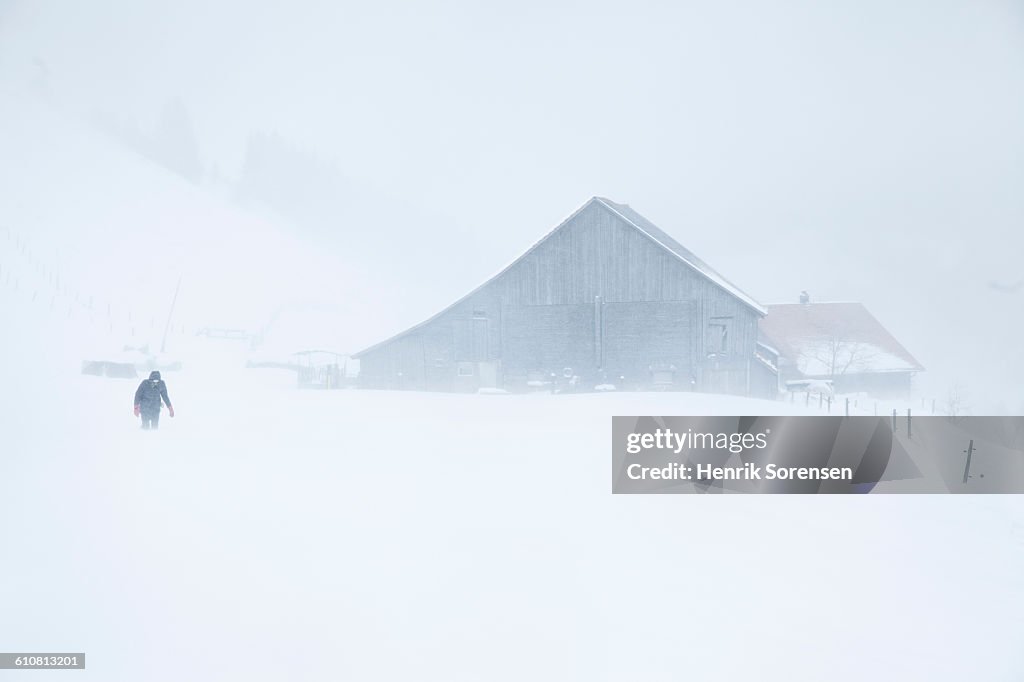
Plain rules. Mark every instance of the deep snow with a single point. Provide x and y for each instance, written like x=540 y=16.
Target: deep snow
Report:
x=271 y=533
x=267 y=533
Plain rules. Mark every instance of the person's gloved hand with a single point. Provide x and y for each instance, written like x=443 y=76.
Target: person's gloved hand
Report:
x=170 y=411
x=136 y=410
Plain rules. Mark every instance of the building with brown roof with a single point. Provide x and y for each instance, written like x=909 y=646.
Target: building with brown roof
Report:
x=839 y=342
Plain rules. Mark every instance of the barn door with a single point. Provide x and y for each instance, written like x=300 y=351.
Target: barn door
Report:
x=471 y=343
x=648 y=342
x=470 y=339
x=488 y=374
x=548 y=339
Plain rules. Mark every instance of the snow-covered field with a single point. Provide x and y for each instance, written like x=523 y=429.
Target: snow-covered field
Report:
x=271 y=533
x=267 y=533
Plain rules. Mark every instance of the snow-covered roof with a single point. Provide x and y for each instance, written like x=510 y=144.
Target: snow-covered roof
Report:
x=825 y=339
x=634 y=220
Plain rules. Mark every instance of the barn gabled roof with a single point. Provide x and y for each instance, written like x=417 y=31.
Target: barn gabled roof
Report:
x=807 y=333
x=631 y=218
x=667 y=242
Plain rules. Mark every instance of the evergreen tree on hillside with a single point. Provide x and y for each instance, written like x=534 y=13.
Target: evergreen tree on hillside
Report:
x=174 y=142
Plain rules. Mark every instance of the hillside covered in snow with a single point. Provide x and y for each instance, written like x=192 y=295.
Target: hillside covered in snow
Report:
x=267 y=532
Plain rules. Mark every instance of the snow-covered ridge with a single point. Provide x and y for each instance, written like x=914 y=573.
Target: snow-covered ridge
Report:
x=119 y=230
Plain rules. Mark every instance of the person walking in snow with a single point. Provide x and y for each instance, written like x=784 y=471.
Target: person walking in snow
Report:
x=147 y=400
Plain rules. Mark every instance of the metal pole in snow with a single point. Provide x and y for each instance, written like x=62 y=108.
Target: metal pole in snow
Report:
x=167 y=327
x=967 y=468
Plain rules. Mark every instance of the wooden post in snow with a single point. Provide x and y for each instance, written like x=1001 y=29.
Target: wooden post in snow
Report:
x=167 y=327
x=967 y=467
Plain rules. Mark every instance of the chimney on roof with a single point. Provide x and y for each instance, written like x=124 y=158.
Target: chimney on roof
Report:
x=805 y=297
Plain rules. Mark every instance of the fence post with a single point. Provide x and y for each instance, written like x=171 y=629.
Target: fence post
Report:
x=894 y=420
x=908 y=423
x=847 y=407
x=967 y=467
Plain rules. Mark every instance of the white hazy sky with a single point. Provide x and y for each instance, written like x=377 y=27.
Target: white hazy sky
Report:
x=682 y=108
x=861 y=150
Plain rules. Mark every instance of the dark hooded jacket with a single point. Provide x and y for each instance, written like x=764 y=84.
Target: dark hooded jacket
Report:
x=150 y=392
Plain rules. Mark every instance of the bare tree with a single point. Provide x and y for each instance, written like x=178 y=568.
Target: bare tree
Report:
x=955 y=405
x=837 y=352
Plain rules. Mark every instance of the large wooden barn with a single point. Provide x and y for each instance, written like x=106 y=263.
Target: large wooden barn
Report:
x=605 y=298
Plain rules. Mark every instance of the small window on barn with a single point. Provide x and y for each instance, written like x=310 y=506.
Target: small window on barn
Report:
x=465 y=369
x=718 y=335
x=479 y=314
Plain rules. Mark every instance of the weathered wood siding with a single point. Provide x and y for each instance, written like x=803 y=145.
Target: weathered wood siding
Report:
x=640 y=334
x=547 y=338
x=596 y=296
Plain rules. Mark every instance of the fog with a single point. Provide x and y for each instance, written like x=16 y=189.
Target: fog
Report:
x=862 y=151
x=195 y=177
